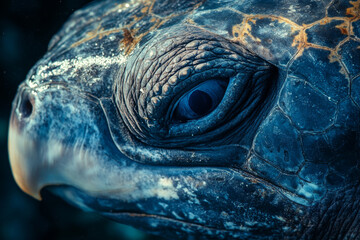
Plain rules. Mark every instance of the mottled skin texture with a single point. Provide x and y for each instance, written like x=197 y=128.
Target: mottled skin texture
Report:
x=278 y=158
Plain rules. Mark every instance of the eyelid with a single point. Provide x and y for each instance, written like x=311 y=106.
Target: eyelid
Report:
x=236 y=86
x=148 y=87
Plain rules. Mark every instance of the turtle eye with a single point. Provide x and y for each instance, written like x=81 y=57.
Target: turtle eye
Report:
x=200 y=101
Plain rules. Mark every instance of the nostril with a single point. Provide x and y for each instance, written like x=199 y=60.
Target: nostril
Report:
x=26 y=106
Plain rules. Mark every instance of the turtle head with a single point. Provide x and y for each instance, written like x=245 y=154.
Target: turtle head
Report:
x=231 y=120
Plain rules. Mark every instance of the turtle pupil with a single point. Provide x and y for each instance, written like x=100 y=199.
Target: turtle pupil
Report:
x=200 y=102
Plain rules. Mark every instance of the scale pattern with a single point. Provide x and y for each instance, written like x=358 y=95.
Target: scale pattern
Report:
x=280 y=156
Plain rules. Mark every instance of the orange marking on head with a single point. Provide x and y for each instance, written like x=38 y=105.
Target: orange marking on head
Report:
x=129 y=41
x=324 y=21
x=300 y=40
x=128 y=38
x=334 y=56
x=243 y=30
x=354 y=10
x=344 y=28
x=96 y=33
x=131 y=35
x=145 y=10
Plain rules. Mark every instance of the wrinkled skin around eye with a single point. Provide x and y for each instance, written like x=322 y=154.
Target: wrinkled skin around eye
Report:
x=157 y=109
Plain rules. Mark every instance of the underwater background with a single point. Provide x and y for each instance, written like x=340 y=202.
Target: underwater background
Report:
x=26 y=27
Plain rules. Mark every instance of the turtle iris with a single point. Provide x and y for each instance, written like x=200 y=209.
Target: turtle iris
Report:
x=200 y=101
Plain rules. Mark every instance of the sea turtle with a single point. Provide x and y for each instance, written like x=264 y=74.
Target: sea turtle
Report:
x=205 y=119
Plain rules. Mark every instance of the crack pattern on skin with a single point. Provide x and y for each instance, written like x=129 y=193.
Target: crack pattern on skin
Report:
x=133 y=34
x=281 y=143
x=243 y=32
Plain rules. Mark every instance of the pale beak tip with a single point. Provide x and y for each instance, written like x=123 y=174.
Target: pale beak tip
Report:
x=24 y=186
x=23 y=177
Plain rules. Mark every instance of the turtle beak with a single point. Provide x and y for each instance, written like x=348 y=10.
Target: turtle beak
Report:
x=22 y=151
x=59 y=137
x=24 y=172
x=39 y=153
x=36 y=156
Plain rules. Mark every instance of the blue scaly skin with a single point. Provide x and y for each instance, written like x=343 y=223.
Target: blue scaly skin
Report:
x=205 y=119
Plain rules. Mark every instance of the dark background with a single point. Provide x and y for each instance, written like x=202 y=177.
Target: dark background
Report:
x=26 y=27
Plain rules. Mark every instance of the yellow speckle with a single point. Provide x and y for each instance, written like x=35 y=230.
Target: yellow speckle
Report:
x=166 y=182
x=334 y=57
x=344 y=28
x=354 y=10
